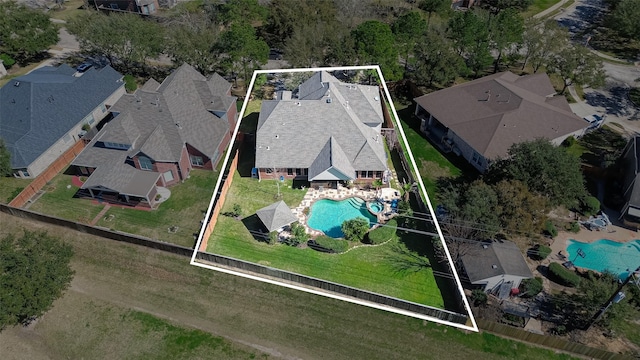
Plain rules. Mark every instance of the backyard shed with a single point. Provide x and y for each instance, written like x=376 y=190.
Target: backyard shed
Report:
x=276 y=216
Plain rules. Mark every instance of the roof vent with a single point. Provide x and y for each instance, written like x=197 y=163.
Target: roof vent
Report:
x=17 y=83
x=494 y=266
x=376 y=98
x=268 y=148
x=277 y=136
x=329 y=101
x=178 y=125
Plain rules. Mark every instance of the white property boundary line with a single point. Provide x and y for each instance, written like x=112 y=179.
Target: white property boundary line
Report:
x=396 y=120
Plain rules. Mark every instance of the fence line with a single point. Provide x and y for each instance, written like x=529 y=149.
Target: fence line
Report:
x=49 y=173
x=332 y=287
x=547 y=341
x=221 y=197
x=98 y=231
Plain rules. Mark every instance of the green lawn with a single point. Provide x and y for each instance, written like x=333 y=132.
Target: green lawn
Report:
x=10 y=187
x=538 y=6
x=365 y=267
x=431 y=163
x=184 y=209
x=58 y=201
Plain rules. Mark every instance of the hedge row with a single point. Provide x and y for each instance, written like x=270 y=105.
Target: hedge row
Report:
x=335 y=245
x=563 y=276
x=383 y=233
x=540 y=252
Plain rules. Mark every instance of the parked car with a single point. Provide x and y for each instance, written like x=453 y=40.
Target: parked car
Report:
x=84 y=67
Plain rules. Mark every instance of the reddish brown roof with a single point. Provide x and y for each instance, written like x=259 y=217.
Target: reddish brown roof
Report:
x=496 y=111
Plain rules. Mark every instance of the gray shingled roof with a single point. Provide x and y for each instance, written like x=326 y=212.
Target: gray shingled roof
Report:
x=47 y=104
x=156 y=124
x=331 y=164
x=494 y=259
x=293 y=133
x=276 y=215
x=496 y=111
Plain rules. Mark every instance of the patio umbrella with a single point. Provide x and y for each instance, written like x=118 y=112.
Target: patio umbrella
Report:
x=276 y=215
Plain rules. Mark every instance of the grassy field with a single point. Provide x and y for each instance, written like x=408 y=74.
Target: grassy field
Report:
x=10 y=187
x=184 y=209
x=69 y=9
x=95 y=320
x=538 y=6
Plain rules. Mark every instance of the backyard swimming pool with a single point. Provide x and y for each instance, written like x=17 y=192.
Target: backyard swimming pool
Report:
x=328 y=215
x=605 y=254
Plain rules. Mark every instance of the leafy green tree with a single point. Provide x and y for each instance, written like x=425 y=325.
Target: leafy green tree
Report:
x=531 y=287
x=542 y=42
x=375 y=44
x=576 y=65
x=470 y=35
x=242 y=50
x=194 y=44
x=433 y=6
x=287 y=15
x=126 y=39
x=436 y=61
x=355 y=229
x=408 y=29
x=242 y=11
x=505 y=31
x=520 y=210
x=625 y=18
x=496 y=6
x=5 y=160
x=479 y=297
x=25 y=32
x=545 y=169
x=306 y=46
x=34 y=271
x=341 y=48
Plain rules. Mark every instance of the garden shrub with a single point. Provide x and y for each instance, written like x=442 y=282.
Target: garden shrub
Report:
x=273 y=237
x=550 y=228
x=531 y=287
x=7 y=60
x=540 y=252
x=590 y=205
x=563 y=276
x=130 y=83
x=335 y=245
x=479 y=297
x=299 y=234
x=383 y=233
x=570 y=141
x=355 y=229
x=575 y=227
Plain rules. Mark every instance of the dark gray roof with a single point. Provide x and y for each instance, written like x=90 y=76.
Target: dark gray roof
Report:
x=276 y=215
x=494 y=259
x=293 y=133
x=632 y=170
x=331 y=164
x=158 y=125
x=496 y=111
x=47 y=103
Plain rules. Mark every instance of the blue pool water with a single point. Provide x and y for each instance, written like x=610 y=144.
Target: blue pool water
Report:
x=328 y=215
x=605 y=254
x=376 y=207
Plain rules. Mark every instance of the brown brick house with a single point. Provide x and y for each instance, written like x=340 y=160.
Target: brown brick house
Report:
x=157 y=136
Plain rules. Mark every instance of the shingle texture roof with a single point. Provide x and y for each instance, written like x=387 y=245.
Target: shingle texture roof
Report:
x=276 y=215
x=336 y=121
x=494 y=112
x=495 y=259
x=158 y=123
x=46 y=104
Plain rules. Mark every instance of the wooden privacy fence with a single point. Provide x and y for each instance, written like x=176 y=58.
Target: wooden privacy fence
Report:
x=547 y=341
x=49 y=173
x=307 y=281
x=97 y=231
x=219 y=202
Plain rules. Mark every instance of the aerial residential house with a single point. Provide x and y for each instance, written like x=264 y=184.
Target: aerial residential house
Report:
x=630 y=213
x=328 y=134
x=42 y=114
x=497 y=267
x=157 y=136
x=481 y=119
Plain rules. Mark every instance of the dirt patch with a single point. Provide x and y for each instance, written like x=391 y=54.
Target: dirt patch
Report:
x=433 y=170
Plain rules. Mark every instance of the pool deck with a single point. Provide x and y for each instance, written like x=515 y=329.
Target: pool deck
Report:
x=385 y=194
x=612 y=232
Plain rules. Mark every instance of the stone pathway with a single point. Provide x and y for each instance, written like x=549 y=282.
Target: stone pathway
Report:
x=100 y=214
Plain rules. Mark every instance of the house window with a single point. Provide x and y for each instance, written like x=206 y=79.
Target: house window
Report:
x=25 y=173
x=290 y=171
x=378 y=174
x=268 y=170
x=168 y=176
x=89 y=119
x=103 y=108
x=145 y=10
x=196 y=160
x=145 y=163
x=152 y=8
x=114 y=6
x=116 y=146
x=477 y=158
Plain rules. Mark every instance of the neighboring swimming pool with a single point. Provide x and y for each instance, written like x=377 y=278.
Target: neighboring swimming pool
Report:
x=605 y=254
x=328 y=215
